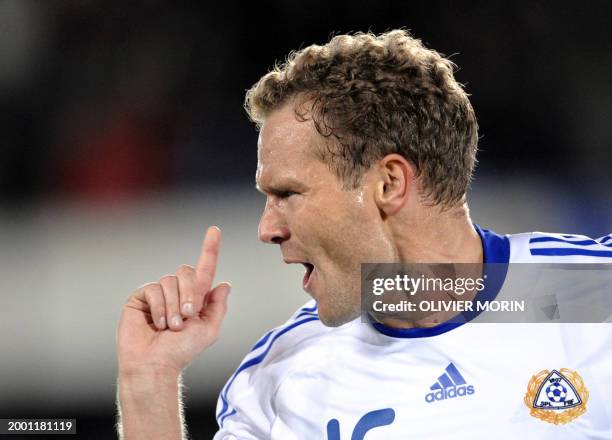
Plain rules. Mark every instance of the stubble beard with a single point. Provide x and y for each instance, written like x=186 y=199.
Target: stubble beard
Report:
x=342 y=306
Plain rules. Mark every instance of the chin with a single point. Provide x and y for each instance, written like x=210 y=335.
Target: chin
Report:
x=336 y=318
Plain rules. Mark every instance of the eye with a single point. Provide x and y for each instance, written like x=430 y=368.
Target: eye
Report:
x=285 y=194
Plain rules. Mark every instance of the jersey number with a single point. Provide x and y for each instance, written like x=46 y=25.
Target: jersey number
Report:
x=373 y=419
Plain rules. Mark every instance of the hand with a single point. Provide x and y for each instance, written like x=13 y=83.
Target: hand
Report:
x=165 y=324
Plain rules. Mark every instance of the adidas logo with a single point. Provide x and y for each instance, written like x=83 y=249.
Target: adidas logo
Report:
x=449 y=385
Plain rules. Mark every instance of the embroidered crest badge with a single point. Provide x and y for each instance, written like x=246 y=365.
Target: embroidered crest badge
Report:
x=556 y=397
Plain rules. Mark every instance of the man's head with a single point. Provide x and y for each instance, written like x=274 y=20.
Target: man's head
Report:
x=353 y=133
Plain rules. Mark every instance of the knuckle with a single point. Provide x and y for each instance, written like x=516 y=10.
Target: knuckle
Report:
x=185 y=270
x=144 y=286
x=150 y=288
x=169 y=278
x=153 y=294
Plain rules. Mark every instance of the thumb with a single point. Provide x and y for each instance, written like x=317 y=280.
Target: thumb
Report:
x=216 y=306
x=203 y=332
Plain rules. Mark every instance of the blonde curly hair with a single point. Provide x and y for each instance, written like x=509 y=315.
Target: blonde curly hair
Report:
x=372 y=95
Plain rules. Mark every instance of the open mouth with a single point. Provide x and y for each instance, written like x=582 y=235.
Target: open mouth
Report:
x=308 y=275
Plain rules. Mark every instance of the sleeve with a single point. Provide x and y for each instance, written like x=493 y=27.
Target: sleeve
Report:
x=244 y=411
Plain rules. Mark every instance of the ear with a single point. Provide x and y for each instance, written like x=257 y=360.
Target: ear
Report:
x=396 y=176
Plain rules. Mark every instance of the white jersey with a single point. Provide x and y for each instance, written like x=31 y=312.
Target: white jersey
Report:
x=304 y=380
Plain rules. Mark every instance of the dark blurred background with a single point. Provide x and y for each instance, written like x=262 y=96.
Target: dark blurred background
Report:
x=105 y=98
x=138 y=104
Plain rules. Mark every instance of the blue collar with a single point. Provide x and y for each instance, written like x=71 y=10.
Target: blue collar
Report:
x=496 y=249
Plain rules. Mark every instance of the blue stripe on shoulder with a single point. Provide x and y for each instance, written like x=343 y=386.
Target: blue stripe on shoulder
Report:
x=304 y=311
x=307 y=314
x=309 y=309
x=263 y=340
x=226 y=416
x=604 y=239
x=571 y=251
x=254 y=361
x=588 y=242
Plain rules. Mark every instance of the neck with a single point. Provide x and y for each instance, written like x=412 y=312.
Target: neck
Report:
x=438 y=236
x=435 y=236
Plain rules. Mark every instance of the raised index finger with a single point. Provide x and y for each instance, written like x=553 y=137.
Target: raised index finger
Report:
x=207 y=262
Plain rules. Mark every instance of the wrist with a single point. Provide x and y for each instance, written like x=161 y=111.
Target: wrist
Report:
x=136 y=372
x=149 y=382
x=138 y=392
x=149 y=404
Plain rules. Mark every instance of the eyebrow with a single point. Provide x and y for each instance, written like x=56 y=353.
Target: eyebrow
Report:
x=269 y=190
x=274 y=189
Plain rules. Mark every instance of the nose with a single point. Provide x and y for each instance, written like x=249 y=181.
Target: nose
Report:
x=272 y=228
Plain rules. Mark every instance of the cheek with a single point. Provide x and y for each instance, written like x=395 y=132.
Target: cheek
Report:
x=343 y=228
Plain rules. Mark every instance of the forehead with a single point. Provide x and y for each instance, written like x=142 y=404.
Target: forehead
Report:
x=286 y=146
